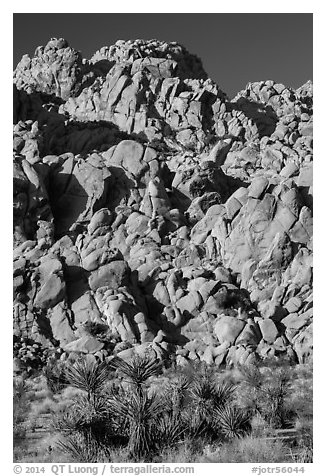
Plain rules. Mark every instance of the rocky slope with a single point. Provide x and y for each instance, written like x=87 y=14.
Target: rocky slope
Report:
x=148 y=202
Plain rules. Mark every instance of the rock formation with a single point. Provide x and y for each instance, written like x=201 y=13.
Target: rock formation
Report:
x=148 y=202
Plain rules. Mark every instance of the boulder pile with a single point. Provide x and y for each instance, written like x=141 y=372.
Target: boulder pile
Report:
x=154 y=214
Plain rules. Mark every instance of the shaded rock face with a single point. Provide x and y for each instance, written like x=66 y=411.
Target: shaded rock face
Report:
x=149 y=204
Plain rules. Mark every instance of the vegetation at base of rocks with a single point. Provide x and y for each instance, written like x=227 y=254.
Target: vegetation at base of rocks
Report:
x=20 y=409
x=266 y=392
x=96 y=329
x=139 y=412
x=54 y=372
x=29 y=354
x=102 y=333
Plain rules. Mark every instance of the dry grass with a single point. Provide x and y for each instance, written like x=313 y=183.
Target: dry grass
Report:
x=186 y=452
x=249 y=450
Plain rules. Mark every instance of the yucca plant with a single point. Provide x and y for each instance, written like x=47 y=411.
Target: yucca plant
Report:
x=208 y=395
x=67 y=421
x=94 y=414
x=202 y=394
x=54 y=372
x=176 y=396
x=21 y=408
x=231 y=421
x=88 y=413
x=269 y=389
x=138 y=370
x=169 y=431
x=89 y=417
x=223 y=394
x=91 y=377
x=275 y=391
x=141 y=412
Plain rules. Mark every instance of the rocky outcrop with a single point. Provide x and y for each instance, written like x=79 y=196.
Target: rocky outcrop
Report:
x=54 y=69
x=154 y=214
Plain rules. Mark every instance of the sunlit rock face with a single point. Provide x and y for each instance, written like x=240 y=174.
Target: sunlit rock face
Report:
x=149 y=204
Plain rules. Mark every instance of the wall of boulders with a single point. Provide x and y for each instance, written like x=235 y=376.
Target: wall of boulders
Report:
x=148 y=202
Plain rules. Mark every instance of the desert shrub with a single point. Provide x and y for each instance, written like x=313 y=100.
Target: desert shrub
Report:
x=200 y=186
x=266 y=391
x=32 y=355
x=25 y=402
x=54 y=373
x=190 y=371
x=96 y=329
x=102 y=332
x=302 y=451
x=21 y=407
x=301 y=397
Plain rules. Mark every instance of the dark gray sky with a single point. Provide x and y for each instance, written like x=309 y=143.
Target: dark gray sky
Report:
x=234 y=47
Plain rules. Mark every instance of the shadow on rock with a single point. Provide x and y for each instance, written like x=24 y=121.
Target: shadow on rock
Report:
x=263 y=116
x=68 y=201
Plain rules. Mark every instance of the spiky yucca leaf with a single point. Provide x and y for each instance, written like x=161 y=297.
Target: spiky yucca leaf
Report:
x=268 y=392
x=223 y=393
x=202 y=393
x=90 y=377
x=83 y=449
x=136 y=406
x=139 y=369
x=206 y=389
x=89 y=410
x=169 y=431
x=182 y=383
x=142 y=412
x=87 y=417
x=206 y=395
x=231 y=421
x=67 y=422
x=176 y=395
